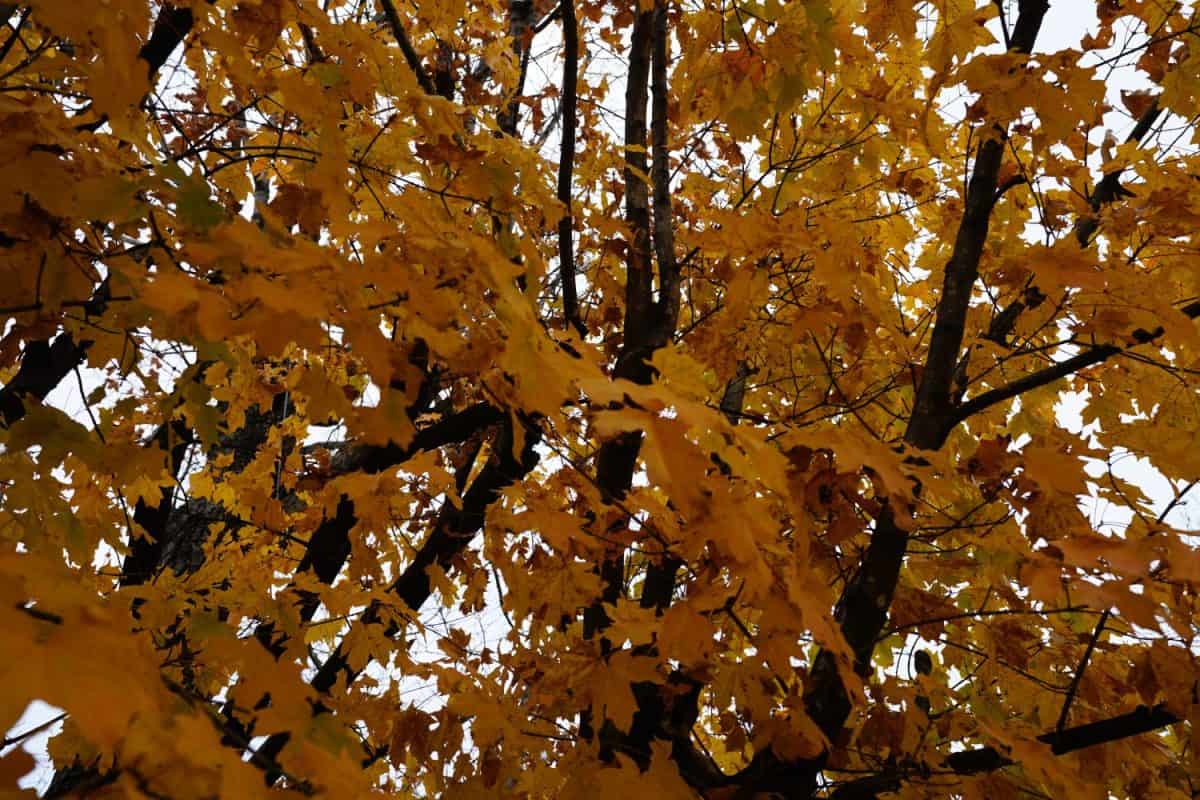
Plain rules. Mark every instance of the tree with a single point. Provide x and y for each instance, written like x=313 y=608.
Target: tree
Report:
x=392 y=402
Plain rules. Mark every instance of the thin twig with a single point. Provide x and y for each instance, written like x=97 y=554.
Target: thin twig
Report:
x=36 y=729
x=1083 y=662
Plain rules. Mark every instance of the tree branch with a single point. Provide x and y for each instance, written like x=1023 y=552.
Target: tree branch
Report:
x=660 y=178
x=1060 y=369
x=171 y=27
x=863 y=609
x=931 y=419
x=520 y=18
x=329 y=546
x=43 y=366
x=1109 y=188
x=145 y=552
x=1140 y=720
x=1083 y=662
x=566 y=167
x=452 y=533
x=410 y=55
x=617 y=457
x=639 y=291
x=987 y=759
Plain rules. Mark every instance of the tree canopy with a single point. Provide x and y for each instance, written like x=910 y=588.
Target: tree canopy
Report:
x=532 y=399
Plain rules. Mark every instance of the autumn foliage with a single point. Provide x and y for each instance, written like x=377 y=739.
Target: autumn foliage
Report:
x=651 y=398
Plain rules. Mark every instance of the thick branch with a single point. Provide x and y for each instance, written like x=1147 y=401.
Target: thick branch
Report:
x=1109 y=189
x=617 y=457
x=931 y=418
x=171 y=27
x=639 y=292
x=443 y=73
x=1060 y=369
x=410 y=55
x=987 y=759
x=566 y=166
x=1083 y=662
x=455 y=428
x=43 y=366
x=520 y=18
x=455 y=528
x=861 y=615
x=145 y=552
x=863 y=609
x=1140 y=720
x=329 y=546
x=660 y=579
x=660 y=177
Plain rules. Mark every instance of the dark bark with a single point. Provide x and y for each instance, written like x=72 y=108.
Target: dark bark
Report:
x=667 y=312
x=44 y=363
x=735 y=394
x=146 y=552
x=639 y=291
x=43 y=366
x=617 y=458
x=1083 y=662
x=566 y=167
x=931 y=419
x=410 y=55
x=648 y=324
x=1058 y=370
x=665 y=712
x=866 y=599
x=329 y=545
x=77 y=779
x=443 y=73
x=1109 y=189
x=1141 y=720
x=455 y=528
x=171 y=27
x=520 y=19
x=452 y=429
x=1068 y=740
